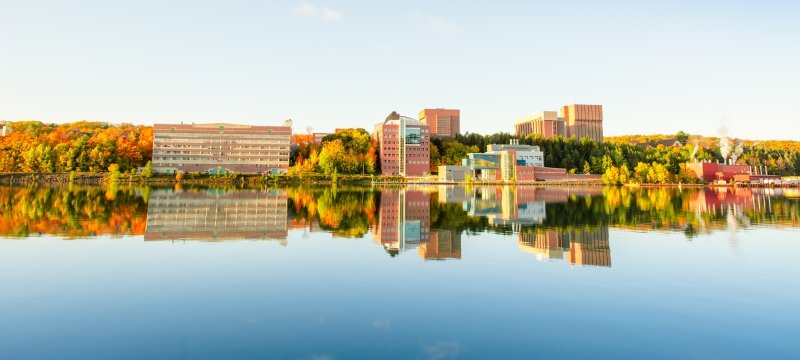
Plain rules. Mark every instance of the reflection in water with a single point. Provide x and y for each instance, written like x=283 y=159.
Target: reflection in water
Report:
x=442 y=244
x=467 y=255
x=216 y=214
x=73 y=211
x=522 y=208
x=345 y=212
x=581 y=247
x=569 y=224
x=403 y=221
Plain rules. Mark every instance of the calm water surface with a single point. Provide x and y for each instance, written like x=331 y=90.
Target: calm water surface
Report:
x=437 y=272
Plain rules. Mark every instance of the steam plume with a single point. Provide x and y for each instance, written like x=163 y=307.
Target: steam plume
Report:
x=724 y=143
x=737 y=151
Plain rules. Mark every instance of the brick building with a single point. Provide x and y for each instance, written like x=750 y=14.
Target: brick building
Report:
x=403 y=146
x=575 y=120
x=583 y=121
x=441 y=122
x=546 y=124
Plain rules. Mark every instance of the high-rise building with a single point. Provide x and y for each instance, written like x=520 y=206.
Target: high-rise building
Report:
x=221 y=148
x=403 y=146
x=583 y=121
x=441 y=122
x=546 y=124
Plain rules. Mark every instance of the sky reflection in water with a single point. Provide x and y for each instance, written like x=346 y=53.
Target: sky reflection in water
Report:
x=159 y=273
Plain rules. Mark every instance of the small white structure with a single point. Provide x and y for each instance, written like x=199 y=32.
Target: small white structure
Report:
x=455 y=173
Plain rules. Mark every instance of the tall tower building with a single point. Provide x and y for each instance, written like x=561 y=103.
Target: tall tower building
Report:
x=403 y=145
x=583 y=121
x=442 y=122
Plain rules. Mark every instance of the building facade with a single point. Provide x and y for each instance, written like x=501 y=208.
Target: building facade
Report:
x=583 y=121
x=505 y=162
x=711 y=172
x=220 y=148
x=546 y=124
x=441 y=122
x=575 y=120
x=403 y=146
x=319 y=136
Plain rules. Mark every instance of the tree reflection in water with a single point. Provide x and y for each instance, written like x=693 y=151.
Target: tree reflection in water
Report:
x=562 y=223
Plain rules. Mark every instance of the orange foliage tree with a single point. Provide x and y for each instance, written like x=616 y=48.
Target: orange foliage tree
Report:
x=35 y=147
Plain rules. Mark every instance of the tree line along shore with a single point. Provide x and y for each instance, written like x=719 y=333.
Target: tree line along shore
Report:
x=122 y=152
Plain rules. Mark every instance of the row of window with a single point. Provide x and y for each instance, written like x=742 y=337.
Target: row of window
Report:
x=408 y=155
x=215 y=136
x=221 y=153
x=397 y=129
x=207 y=165
x=389 y=150
x=222 y=161
x=185 y=146
x=181 y=142
x=422 y=142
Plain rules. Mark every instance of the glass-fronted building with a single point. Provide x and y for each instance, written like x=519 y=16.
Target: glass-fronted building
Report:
x=403 y=146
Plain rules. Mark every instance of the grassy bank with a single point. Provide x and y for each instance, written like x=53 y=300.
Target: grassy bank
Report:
x=242 y=179
x=192 y=179
x=88 y=178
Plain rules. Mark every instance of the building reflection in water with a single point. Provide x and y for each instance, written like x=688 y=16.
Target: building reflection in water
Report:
x=443 y=244
x=578 y=247
x=721 y=199
x=216 y=214
x=551 y=223
x=507 y=205
x=404 y=222
x=524 y=207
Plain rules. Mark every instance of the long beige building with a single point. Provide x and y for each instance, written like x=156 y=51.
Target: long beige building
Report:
x=221 y=148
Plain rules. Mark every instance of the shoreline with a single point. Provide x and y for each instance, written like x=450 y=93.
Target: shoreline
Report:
x=25 y=179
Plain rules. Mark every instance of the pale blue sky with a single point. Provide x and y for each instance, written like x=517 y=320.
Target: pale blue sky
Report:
x=656 y=67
